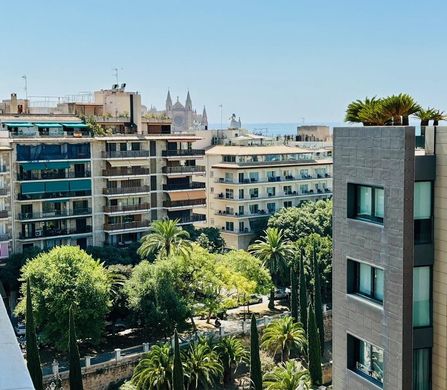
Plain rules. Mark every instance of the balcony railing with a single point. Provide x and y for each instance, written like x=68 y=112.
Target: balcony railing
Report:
x=126 y=225
x=280 y=194
x=4 y=191
x=55 y=214
x=123 y=208
x=53 y=195
x=274 y=179
x=125 y=190
x=188 y=186
x=52 y=175
x=4 y=213
x=5 y=236
x=3 y=169
x=125 y=171
x=125 y=154
x=191 y=218
x=183 y=152
x=54 y=233
x=183 y=169
x=183 y=203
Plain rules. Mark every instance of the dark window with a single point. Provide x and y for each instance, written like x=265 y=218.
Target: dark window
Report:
x=365 y=359
x=366 y=203
x=229 y=158
x=423 y=212
x=422 y=300
x=365 y=280
x=422 y=369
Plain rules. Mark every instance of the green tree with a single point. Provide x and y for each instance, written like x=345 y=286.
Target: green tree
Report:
x=32 y=351
x=318 y=302
x=165 y=237
x=272 y=299
x=283 y=336
x=355 y=108
x=274 y=251
x=303 y=292
x=62 y=277
x=154 y=371
x=287 y=376
x=119 y=275
x=75 y=375
x=178 y=379
x=314 y=353
x=294 y=294
x=308 y=218
x=202 y=366
x=111 y=255
x=255 y=360
x=209 y=238
x=232 y=353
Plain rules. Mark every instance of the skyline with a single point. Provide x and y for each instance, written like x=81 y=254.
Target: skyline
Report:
x=261 y=61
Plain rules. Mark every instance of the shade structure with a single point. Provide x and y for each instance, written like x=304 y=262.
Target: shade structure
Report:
x=75 y=125
x=48 y=125
x=80 y=185
x=186 y=195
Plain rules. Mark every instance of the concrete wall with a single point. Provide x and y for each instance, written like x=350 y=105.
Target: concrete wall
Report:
x=382 y=157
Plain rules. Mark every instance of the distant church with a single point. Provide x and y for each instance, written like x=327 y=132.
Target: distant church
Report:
x=184 y=117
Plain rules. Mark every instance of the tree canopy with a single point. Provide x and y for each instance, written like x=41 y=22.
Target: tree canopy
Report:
x=63 y=277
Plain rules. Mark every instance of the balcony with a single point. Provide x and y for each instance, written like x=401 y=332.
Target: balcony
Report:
x=55 y=195
x=260 y=213
x=126 y=225
x=52 y=175
x=55 y=214
x=5 y=236
x=189 y=186
x=275 y=179
x=184 y=203
x=183 y=153
x=4 y=213
x=191 y=219
x=37 y=234
x=126 y=154
x=4 y=191
x=4 y=169
x=125 y=190
x=125 y=171
x=126 y=208
x=183 y=169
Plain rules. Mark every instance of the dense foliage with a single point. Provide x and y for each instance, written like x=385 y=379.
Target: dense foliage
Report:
x=287 y=376
x=110 y=255
x=208 y=238
x=63 y=277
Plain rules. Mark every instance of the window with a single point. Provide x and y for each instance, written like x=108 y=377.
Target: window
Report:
x=365 y=280
x=241 y=194
x=366 y=203
x=241 y=226
x=241 y=210
x=287 y=190
x=229 y=226
x=422 y=212
x=228 y=177
x=304 y=188
x=254 y=208
x=365 y=359
x=421 y=296
x=422 y=369
x=229 y=193
x=254 y=176
x=288 y=203
x=254 y=193
x=229 y=158
x=271 y=191
x=271 y=207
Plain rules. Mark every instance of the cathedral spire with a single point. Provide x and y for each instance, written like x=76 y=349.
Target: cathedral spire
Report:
x=188 y=104
x=204 y=121
x=168 y=102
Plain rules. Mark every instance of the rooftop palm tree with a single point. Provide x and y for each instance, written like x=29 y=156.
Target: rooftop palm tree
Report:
x=202 y=366
x=288 y=376
x=373 y=114
x=438 y=115
x=408 y=107
x=273 y=250
x=282 y=336
x=425 y=115
x=231 y=352
x=154 y=371
x=165 y=237
x=354 y=108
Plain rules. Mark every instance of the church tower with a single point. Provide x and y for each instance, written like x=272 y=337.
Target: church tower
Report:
x=188 y=104
x=168 y=102
x=204 y=121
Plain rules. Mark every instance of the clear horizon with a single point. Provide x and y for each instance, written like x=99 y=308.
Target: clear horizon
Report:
x=267 y=62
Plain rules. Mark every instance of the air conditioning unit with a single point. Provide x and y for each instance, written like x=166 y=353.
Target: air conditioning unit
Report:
x=39 y=233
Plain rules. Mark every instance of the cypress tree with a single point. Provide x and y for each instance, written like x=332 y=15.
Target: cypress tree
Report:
x=255 y=360
x=294 y=294
x=318 y=301
x=177 y=373
x=32 y=352
x=272 y=299
x=303 y=293
x=75 y=376
x=314 y=352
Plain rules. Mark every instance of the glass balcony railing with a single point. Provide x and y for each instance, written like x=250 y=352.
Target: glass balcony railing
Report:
x=125 y=154
x=126 y=225
x=183 y=169
x=54 y=195
x=183 y=203
x=125 y=190
x=183 y=152
x=54 y=232
x=123 y=208
x=55 y=214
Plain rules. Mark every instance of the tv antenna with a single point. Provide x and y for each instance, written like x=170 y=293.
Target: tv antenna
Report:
x=116 y=74
x=26 y=86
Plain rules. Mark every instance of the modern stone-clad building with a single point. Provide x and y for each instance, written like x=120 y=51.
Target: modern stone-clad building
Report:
x=389 y=273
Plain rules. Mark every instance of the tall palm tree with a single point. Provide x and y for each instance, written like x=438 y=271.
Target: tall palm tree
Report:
x=202 y=366
x=354 y=108
x=231 y=352
x=287 y=376
x=154 y=371
x=282 y=336
x=165 y=237
x=273 y=250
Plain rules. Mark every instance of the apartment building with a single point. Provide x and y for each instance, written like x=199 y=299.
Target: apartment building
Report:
x=247 y=184
x=66 y=182
x=389 y=267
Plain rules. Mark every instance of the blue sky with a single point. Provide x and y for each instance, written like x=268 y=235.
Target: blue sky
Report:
x=267 y=61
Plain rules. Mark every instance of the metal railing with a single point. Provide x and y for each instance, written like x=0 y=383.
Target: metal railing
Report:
x=125 y=171
x=54 y=233
x=53 y=195
x=125 y=190
x=183 y=152
x=192 y=218
x=117 y=209
x=181 y=203
x=183 y=169
x=126 y=225
x=55 y=214
x=275 y=179
x=52 y=175
x=125 y=154
x=189 y=186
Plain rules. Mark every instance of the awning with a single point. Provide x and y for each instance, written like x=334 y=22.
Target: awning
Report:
x=128 y=163
x=18 y=124
x=32 y=188
x=48 y=125
x=187 y=195
x=75 y=125
x=56 y=186
x=81 y=185
x=33 y=166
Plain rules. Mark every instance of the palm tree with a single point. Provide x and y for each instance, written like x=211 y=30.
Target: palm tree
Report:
x=438 y=115
x=283 y=336
x=273 y=250
x=231 y=352
x=288 y=376
x=425 y=115
x=165 y=237
x=373 y=114
x=408 y=107
x=154 y=371
x=354 y=108
x=202 y=366
x=393 y=108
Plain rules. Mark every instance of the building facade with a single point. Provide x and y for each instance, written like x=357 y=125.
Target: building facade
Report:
x=247 y=184
x=386 y=306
